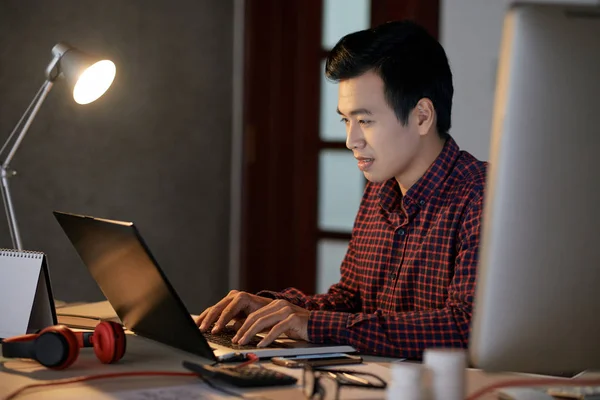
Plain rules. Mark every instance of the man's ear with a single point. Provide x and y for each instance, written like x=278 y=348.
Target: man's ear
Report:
x=425 y=116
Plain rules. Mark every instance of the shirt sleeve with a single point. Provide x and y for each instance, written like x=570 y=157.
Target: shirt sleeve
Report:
x=343 y=296
x=408 y=334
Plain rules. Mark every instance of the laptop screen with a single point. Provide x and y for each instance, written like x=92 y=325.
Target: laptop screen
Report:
x=132 y=281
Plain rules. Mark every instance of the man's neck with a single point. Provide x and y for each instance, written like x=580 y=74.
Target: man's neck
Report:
x=430 y=150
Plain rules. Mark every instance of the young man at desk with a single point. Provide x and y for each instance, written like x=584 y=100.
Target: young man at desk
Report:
x=408 y=277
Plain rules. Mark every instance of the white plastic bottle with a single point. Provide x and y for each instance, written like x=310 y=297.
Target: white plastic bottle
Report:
x=447 y=369
x=407 y=382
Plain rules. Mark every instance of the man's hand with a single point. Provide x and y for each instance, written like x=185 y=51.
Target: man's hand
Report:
x=282 y=316
x=236 y=305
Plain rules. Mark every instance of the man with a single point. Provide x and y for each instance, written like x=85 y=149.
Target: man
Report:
x=409 y=273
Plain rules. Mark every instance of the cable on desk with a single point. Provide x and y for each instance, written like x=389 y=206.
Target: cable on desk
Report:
x=534 y=382
x=121 y=375
x=94 y=377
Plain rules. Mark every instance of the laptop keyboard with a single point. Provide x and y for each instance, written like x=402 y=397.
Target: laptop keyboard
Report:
x=224 y=337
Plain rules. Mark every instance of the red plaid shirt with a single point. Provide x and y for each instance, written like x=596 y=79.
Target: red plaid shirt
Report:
x=408 y=277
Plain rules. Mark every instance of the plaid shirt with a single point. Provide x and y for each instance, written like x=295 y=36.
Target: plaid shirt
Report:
x=408 y=277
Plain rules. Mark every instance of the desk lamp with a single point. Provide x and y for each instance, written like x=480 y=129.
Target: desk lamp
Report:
x=89 y=78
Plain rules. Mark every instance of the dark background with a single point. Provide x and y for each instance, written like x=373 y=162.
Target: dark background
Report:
x=155 y=149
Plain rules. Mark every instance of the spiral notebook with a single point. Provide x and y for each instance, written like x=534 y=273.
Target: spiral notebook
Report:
x=26 y=301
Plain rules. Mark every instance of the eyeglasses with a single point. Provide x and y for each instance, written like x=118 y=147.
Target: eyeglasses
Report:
x=325 y=384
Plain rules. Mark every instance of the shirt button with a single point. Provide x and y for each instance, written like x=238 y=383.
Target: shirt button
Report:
x=421 y=202
x=401 y=232
x=392 y=275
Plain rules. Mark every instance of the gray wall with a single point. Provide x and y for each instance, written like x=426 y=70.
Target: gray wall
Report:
x=471 y=32
x=155 y=149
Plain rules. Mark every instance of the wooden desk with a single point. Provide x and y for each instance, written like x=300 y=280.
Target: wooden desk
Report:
x=146 y=355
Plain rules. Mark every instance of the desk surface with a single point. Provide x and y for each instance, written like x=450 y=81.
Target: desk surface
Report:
x=146 y=355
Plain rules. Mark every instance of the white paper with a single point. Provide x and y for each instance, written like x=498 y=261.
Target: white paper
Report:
x=19 y=274
x=185 y=392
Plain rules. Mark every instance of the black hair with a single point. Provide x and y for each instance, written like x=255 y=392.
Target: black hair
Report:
x=412 y=64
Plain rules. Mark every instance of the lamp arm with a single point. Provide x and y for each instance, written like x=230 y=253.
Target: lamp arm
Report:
x=10 y=211
x=52 y=73
x=6 y=172
x=44 y=90
x=25 y=114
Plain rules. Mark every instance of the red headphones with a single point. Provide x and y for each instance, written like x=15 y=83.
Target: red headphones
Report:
x=57 y=347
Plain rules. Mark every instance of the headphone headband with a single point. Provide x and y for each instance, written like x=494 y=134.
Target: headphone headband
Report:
x=18 y=349
x=58 y=346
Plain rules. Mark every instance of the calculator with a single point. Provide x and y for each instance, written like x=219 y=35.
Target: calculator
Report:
x=246 y=376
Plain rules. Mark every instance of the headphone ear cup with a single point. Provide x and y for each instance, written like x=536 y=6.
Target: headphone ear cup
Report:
x=56 y=347
x=109 y=342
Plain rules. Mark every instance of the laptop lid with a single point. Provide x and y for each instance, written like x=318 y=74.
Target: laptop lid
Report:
x=136 y=287
x=134 y=284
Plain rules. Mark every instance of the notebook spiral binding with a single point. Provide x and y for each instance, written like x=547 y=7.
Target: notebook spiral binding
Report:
x=20 y=253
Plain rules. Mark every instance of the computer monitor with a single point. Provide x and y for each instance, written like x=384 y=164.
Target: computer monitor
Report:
x=537 y=301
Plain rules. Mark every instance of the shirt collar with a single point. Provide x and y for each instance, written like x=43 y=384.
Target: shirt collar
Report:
x=419 y=193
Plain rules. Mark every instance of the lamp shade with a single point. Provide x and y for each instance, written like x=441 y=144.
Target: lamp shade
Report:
x=88 y=77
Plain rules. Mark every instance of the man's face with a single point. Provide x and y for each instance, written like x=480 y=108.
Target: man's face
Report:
x=383 y=146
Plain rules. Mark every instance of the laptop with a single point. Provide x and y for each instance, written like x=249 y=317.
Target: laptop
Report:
x=146 y=303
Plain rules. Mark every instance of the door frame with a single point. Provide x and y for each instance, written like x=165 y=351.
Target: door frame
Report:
x=274 y=243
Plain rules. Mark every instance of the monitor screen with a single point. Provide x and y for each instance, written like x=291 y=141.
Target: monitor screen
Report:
x=537 y=303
